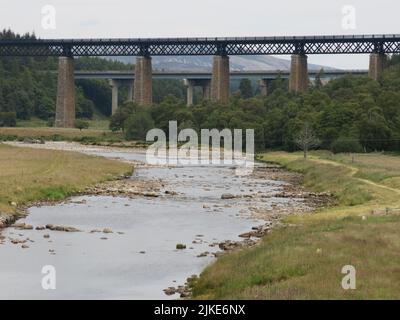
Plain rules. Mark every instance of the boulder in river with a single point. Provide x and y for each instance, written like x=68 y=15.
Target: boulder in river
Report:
x=17 y=241
x=61 y=228
x=227 y=196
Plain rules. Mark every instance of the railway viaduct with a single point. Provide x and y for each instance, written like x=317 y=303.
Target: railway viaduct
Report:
x=377 y=46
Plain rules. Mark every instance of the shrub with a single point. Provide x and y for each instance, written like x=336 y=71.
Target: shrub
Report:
x=81 y=124
x=8 y=119
x=117 y=121
x=343 y=145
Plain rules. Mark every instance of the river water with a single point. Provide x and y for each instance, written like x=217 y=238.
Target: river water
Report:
x=139 y=259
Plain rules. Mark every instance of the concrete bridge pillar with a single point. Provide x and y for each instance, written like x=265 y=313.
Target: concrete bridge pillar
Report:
x=263 y=85
x=298 y=81
x=189 y=84
x=377 y=64
x=114 y=91
x=65 y=106
x=220 y=79
x=143 y=86
x=206 y=89
x=130 y=91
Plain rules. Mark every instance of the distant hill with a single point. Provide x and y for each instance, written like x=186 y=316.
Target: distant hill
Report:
x=204 y=63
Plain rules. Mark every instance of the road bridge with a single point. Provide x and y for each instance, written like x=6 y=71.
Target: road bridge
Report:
x=117 y=79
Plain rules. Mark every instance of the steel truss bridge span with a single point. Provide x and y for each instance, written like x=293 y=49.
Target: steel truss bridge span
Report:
x=345 y=44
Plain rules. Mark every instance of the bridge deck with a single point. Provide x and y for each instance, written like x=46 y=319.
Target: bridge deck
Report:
x=342 y=44
x=269 y=74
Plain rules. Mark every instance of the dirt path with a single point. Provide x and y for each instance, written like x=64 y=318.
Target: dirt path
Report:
x=353 y=172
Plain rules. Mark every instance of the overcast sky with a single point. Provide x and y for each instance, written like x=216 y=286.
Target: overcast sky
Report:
x=206 y=18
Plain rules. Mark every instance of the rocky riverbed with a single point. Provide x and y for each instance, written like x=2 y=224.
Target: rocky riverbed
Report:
x=132 y=238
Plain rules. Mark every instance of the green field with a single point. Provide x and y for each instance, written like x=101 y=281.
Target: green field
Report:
x=304 y=261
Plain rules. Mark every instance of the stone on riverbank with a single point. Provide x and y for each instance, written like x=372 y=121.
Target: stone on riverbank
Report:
x=22 y=226
x=170 y=291
x=5 y=220
x=203 y=254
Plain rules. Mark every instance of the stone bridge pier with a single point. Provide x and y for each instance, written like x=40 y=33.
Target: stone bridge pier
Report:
x=220 y=79
x=65 y=106
x=378 y=62
x=143 y=85
x=298 y=80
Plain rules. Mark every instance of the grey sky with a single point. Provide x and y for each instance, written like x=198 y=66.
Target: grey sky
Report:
x=213 y=18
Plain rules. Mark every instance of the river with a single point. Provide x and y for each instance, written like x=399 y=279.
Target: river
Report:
x=139 y=258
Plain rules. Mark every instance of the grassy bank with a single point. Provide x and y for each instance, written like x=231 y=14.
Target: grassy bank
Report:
x=97 y=123
x=362 y=183
x=59 y=134
x=305 y=261
x=28 y=175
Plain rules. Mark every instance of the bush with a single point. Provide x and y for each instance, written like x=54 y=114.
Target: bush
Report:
x=117 y=121
x=81 y=124
x=137 y=125
x=343 y=145
x=8 y=119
